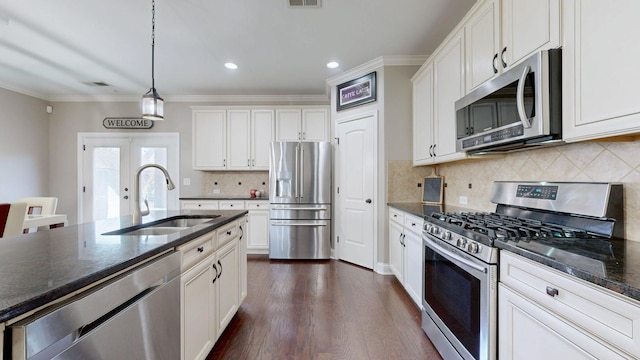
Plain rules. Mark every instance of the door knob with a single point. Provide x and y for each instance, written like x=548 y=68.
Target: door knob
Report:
x=368 y=201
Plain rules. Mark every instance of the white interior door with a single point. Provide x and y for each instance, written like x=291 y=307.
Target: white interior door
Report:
x=356 y=156
x=109 y=164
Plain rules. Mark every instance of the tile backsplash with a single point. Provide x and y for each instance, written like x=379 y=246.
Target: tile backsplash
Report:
x=588 y=161
x=235 y=183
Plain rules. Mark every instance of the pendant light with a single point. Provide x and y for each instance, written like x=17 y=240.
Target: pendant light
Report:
x=152 y=103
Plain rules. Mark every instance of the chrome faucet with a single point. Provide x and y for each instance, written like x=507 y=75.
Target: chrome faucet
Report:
x=137 y=212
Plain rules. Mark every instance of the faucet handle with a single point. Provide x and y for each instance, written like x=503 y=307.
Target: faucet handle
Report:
x=145 y=212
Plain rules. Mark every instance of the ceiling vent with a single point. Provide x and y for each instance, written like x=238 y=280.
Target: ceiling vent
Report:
x=96 y=83
x=304 y=3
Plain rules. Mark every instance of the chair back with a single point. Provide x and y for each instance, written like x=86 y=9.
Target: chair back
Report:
x=14 y=220
x=40 y=205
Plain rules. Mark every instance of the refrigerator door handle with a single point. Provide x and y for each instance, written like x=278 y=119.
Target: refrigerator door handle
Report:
x=301 y=172
x=274 y=223
x=297 y=169
x=285 y=207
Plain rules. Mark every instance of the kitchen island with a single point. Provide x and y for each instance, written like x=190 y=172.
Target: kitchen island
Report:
x=42 y=268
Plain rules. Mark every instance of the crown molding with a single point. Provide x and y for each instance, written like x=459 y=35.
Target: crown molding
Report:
x=24 y=92
x=395 y=60
x=226 y=99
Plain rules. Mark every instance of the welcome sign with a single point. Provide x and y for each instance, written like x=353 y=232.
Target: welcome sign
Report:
x=356 y=92
x=127 y=123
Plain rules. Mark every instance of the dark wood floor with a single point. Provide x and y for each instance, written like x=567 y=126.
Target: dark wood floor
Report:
x=323 y=310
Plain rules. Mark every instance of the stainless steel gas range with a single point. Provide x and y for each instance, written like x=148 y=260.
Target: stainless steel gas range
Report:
x=460 y=270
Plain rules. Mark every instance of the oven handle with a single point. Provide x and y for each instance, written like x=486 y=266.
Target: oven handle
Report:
x=456 y=256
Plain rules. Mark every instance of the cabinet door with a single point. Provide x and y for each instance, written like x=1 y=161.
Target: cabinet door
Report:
x=227 y=284
x=529 y=26
x=209 y=145
x=396 y=251
x=288 y=122
x=238 y=135
x=258 y=230
x=199 y=204
x=600 y=69
x=521 y=320
x=261 y=137
x=198 y=310
x=242 y=258
x=482 y=38
x=315 y=125
x=413 y=266
x=448 y=66
x=423 y=116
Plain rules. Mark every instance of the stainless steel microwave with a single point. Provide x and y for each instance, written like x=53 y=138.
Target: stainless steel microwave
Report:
x=519 y=109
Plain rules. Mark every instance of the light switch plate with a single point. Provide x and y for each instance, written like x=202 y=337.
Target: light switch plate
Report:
x=463 y=200
x=186 y=181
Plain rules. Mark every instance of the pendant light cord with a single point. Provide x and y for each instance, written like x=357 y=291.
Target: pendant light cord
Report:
x=153 y=42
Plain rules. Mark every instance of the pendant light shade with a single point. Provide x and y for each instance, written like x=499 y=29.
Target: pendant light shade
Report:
x=152 y=103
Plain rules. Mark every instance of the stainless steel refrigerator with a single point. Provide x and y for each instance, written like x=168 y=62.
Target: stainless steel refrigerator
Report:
x=300 y=200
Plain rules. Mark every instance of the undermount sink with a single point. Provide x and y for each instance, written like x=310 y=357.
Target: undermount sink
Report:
x=165 y=226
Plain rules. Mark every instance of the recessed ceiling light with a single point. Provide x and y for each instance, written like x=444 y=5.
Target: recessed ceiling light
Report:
x=332 y=65
x=231 y=66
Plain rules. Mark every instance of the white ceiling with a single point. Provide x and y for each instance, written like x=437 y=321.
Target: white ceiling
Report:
x=55 y=50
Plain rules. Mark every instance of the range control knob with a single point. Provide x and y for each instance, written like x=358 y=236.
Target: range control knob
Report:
x=461 y=242
x=435 y=230
x=473 y=248
x=446 y=235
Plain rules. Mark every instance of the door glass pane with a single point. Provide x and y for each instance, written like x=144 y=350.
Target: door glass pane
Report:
x=153 y=185
x=106 y=182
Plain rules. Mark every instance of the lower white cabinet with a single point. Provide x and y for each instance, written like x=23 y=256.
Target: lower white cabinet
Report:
x=212 y=289
x=242 y=247
x=569 y=318
x=405 y=251
x=257 y=227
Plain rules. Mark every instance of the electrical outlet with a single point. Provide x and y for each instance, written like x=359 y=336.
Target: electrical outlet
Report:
x=216 y=191
x=186 y=181
x=463 y=200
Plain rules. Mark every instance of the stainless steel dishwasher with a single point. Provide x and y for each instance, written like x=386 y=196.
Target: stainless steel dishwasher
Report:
x=134 y=316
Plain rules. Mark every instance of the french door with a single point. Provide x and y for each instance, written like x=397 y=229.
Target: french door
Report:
x=107 y=170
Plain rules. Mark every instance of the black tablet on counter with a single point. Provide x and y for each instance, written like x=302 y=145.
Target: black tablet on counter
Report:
x=433 y=190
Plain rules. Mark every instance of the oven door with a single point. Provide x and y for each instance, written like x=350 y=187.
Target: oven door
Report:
x=460 y=302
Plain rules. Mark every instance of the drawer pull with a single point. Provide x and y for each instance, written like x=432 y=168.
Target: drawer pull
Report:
x=201 y=249
x=553 y=292
x=228 y=232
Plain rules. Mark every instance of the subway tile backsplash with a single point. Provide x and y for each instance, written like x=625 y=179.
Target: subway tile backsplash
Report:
x=587 y=161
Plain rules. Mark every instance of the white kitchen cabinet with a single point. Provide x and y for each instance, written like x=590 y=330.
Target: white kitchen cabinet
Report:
x=577 y=319
x=227 y=284
x=262 y=134
x=231 y=205
x=242 y=254
x=528 y=26
x=302 y=124
x=198 y=310
x=482 y=40
x=209 y=139
x=423 y=115
x=436 y=86
x=238 y=139
x=258 y=226
x=199 y=204
x=405 y=252
x=600 y=74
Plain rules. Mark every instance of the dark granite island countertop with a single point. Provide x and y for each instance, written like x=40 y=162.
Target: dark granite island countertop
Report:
x=38 y=268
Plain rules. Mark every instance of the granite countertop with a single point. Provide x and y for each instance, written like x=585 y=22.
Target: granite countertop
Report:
x=40 y=267
x=228 y=197
x=612 y=264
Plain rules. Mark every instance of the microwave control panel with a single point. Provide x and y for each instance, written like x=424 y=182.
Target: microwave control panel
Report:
x=493 y=137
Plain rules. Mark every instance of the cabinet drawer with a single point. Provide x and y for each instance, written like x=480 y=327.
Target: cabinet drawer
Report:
x=257 y=205
x=413 y=223
x=231 y=205
x=199 y=205
x=227 y=233
x=396 y=215
x=196 y=250
x=608 y=315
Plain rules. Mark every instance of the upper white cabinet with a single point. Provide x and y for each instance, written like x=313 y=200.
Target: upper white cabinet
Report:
x=528 y=26
x=232 y=139
x=436 y=86
x=600 y=74
x=209 y=145
x=302 y=124
x=500 y=33
x=482 y=35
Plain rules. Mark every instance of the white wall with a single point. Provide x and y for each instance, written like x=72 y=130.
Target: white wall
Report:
x=24 y=145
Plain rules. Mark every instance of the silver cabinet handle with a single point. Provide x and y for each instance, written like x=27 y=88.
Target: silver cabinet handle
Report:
x=493 y=63
x=553 y=292
x=504 y=62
